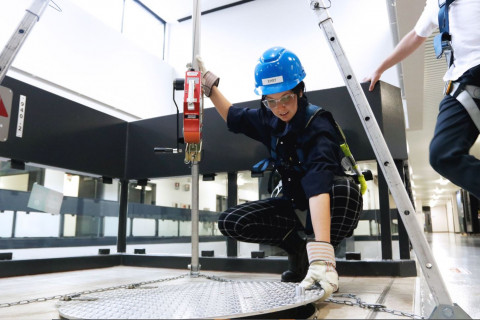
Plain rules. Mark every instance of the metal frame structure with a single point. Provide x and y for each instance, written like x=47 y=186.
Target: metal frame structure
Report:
x=445 y=308
x=195 y=265
x=18 y=38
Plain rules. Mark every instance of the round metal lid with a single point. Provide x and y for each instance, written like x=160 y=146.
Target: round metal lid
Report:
x=211 y=299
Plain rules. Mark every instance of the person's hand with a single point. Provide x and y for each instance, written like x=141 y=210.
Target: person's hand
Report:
x=200 y=64
x=322 y=268
x=373 y=79
x=209 y=79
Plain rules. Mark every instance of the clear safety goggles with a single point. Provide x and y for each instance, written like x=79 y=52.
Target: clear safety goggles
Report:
x=273 y=103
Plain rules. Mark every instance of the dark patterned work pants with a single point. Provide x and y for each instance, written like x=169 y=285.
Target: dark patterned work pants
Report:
x=268 y=221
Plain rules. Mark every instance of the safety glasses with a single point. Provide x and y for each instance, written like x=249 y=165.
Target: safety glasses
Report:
x=273 y=103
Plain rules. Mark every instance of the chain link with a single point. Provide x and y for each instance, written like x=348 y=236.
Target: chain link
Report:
x=215 y=278
x=374 y=306
x=139 y=285
x=77 y=295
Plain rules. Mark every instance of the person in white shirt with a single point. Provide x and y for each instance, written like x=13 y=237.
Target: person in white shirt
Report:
x=455 y=130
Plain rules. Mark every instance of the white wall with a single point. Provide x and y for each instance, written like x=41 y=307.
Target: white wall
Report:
x=54 y=179
x=110 y=191
x=439 y=219
x=73 y=50
x=6 y=223
x=232 y=40
x=450 y=217
x=456 y=222
x=37 y=224
x=167 y=195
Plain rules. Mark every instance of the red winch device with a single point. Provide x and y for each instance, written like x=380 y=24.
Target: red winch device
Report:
x=192 y=108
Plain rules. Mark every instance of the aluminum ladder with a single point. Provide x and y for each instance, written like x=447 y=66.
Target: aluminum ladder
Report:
x=444 y=308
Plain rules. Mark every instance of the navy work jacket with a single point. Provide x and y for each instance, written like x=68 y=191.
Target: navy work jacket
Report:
x=318 y=142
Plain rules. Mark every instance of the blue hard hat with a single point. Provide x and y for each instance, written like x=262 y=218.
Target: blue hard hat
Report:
x=277 y=70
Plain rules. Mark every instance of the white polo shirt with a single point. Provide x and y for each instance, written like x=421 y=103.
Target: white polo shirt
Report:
x=464 y=18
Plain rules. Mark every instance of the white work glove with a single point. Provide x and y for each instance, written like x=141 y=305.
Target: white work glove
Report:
x=322 y=268
x=209 y=79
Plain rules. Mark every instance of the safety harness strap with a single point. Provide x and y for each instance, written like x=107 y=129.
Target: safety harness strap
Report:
x=465 y=95
x=442 y=41
x=262 y=165
x=348 y=161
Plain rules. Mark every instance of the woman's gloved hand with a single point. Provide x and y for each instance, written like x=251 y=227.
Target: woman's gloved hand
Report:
x=321 y=256
x=209 y=79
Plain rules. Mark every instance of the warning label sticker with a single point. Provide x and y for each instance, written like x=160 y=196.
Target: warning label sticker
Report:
x=6 y=96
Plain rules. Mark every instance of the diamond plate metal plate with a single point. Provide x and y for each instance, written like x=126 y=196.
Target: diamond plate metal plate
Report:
x=211 y=299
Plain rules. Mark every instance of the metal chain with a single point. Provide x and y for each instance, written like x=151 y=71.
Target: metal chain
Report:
x=76 y=295
x=138 y=285
x=215 y=278
x=375 y=307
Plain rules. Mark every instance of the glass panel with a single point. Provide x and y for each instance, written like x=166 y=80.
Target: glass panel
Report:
x=6 y=223
x=172 y=208
x=168 y=228
x=37 y=224
x=69 y=225
x=110 y=227
x=14 y=182
x=367 y=234
x=247 y=187
x=159 y=210
x=143 y=227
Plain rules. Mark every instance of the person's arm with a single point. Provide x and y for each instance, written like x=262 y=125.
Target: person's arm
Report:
x=220 y=102
x=210 y=88
x=320 y=214
x=322 y=158
x=321 y=254
x=409 y=43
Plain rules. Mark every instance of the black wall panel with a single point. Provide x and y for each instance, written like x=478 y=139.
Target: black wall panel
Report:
x=223 y=151
x=64 y=134
x=228 y=152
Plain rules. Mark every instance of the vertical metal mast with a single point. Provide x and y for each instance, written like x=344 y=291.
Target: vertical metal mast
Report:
x=445 y=309
x=195 y=265
x=18 y=37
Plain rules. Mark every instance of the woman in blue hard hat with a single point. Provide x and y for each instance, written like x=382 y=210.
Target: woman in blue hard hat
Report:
x=316 y=183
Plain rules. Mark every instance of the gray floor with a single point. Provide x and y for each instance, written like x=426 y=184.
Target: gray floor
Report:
x=457 y=257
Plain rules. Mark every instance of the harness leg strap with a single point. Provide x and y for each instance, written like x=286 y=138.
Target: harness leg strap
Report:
x=465 y=97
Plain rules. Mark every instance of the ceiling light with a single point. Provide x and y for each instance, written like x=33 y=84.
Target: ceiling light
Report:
x=443 y=181
x=147 y=188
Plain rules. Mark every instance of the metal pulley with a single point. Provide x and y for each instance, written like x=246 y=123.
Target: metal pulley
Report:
x=193 y=115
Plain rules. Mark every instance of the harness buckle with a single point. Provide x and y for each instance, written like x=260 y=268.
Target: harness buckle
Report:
x=442 y=44
x=448 y=87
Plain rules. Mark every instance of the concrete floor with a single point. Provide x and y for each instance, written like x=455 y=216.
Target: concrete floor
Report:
x=458 y=257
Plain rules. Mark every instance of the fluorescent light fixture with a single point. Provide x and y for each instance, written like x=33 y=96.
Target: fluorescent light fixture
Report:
x=443 y=181
x=147 y=188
